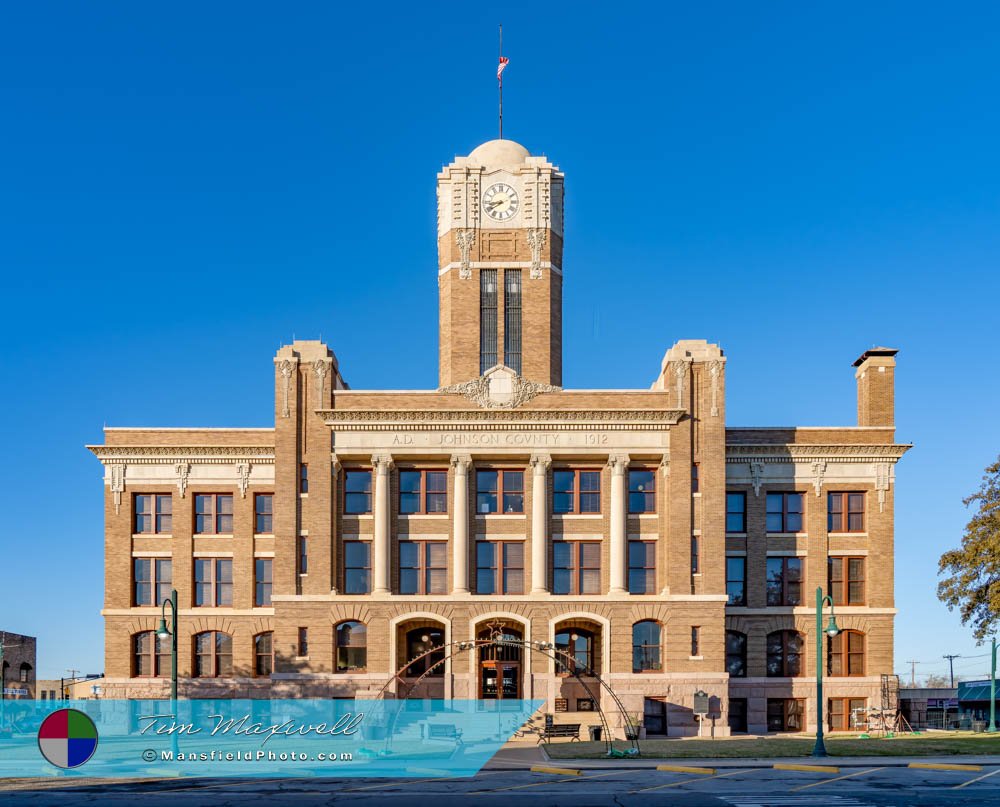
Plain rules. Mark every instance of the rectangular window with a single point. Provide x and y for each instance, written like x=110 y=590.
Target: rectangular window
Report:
x=846 y=653
x=736 y=511
x=423 y=567
x=303 y=649
x=576 y=491
x=303 y=478
x=487 y=319
x=694 y=478
x=576 y=567
x=149 y=522
x=695 y=555
x=641 y=491
x=303 y=554
x=262 y=580
x=846 y=714
x=213 y=582
x=784 y=581
x=736 y=581
x=845 y=512
x=499 y=567
x=153 y=580
x=423 y=492
x=695 y=640
x=784 y=512
x=846 y=580
x=263 y=514
x=641 y=567
x=785 y=714
x=512 y=319
x=357 y=492
x=499 y=489
x=357 y=567
x=213 y=514
x=738 y=715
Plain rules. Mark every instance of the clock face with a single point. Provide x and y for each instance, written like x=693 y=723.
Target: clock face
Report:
x=500 y=201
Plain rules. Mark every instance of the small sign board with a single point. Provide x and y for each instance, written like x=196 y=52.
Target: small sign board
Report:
x=562 y=704
x=13 y=691
x=701 y=704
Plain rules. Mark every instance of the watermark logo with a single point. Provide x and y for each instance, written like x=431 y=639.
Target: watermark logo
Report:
x=67 y=738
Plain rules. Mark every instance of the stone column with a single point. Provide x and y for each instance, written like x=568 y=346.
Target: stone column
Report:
x=539 y=523
x=460 y=560
x=619 y=495
x=381 y=464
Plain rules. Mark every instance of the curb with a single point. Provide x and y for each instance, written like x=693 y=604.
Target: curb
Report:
x=556 y=771
x=685 y=769
x=785 y=766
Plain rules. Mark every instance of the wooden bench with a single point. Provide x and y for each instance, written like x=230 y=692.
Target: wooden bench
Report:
x=440 y=731
x=571 y=730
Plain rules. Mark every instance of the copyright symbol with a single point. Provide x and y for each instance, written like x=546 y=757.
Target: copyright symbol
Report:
x=149 y=755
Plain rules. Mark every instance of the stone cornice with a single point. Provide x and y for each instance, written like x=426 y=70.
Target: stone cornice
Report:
x=499 y=419
x=198 y=455
x=797 y=452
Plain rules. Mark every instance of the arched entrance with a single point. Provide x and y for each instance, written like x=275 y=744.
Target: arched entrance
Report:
x=499 y=665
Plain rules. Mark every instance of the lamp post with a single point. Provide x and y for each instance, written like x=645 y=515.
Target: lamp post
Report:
x=993 y=687
x=163 y=632
x=819 y=750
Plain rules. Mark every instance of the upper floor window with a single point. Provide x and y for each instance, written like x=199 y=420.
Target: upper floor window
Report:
x=784 y=512
x=302 y=550
x=695 y=641
x=262 y=581
x=499 y=491
x=576 y=567
x=153 y=580
x=303 y=478
x=576 y=491
x=153 y=513
x=423 y=567
x=487 y=319
x=303 y=649
x=578 y=645
x=846 y=653
x=512 y=319
x=213 y=582
x=846 y=512
x=736 y=580
x=357 y=492
x=784 y=581
x=847 y=580
x=641 y=567
x=736 y=511
x=499 y=567
x=641 y=491
x=423 y=492
x=24 y=673
x=695 y=484
x=646 y=639
x=213 y=514
x=351 y=646
x=263 y=652
x=150 y=655
x=357 y=567
x=736 y=654
x=263 y=513
x=213 y=654
x=425 y=652
x=784 y=654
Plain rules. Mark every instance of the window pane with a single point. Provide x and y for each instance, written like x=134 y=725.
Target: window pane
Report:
x=774 y=522
x=355 y=553
x=513 y=482
x=513 y=581
x=409 y=503
x=561 y=581
x=409 y=481
x=590 y=481
x=358 y=482
x=437 y=554
x=485 y=554
x=793 y=522
x=408 y=580
x=409 y=555
x=485 y=581
x=356 y=581
x=562 y=502
x=437 y=581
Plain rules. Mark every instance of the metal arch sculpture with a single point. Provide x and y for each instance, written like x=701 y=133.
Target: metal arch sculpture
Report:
x=498 y=639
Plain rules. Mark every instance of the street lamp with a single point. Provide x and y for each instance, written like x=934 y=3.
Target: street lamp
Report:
x=993 y=687
x=819 y=750
x=163 y=632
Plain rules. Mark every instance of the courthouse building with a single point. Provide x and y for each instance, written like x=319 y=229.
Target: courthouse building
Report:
x=632 y=529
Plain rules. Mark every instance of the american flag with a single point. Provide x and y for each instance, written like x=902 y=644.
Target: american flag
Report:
x=501 y=66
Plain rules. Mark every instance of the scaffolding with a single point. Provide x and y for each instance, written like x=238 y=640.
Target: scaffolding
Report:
x=886 y=719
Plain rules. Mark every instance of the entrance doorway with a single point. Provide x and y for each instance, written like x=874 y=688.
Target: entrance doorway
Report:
x=499 y=680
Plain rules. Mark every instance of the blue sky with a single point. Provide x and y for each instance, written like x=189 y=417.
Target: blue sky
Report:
x=184 y=187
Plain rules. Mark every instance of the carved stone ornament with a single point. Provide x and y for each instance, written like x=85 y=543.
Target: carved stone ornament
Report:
x=465 y=238
x=536 y=240
x=618 y=463
x=320 y=368
x=286 y=375
x=116 y=473
x=540 y=463
x=756 y=474
x=500 y=388
x=243 y=472
x=678 y=369
x=881 y=483
x=715 y=371
x=183 y=470
x=819 y=471
x=665 y=466
x=461 y=463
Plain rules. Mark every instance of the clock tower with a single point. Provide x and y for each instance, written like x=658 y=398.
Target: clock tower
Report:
x=500 y=231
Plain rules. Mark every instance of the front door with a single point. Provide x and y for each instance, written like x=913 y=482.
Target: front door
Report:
x=500 y=680
x=655 y=716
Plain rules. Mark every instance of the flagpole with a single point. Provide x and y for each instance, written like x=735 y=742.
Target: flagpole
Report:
x=500 y=81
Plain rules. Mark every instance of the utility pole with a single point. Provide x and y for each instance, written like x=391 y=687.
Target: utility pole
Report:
x=913 y=672
x=951 y=666
x=72 y=677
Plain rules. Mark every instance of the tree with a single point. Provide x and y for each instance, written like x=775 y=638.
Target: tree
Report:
x=973 y=582
x=933 y=681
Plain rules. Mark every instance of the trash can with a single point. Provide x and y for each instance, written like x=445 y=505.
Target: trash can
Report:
x=595 y=733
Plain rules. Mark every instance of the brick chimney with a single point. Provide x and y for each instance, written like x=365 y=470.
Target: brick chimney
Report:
x=876 y=387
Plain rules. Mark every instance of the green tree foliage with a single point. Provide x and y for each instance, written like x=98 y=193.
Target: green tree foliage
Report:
x=973 y=581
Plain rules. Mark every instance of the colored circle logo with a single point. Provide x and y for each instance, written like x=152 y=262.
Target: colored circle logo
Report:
x=67 y=738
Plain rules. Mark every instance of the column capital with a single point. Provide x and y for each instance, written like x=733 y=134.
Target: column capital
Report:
x=618 y=463
x=335 y=465
x=382 y=462
x=665 y=465
x=540 y=462
x=461 y=463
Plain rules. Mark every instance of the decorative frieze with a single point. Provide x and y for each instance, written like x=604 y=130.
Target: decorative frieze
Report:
x=243 y=472
x=789 y=452
x=465 y=238
x=198 y=455
x=116 y=476
x=819 y=471
x=536 y=240
x=756 y=475
x=715 y=373
x=183 y=470
x=285 y=368
x=321 y=368
x=881 y=483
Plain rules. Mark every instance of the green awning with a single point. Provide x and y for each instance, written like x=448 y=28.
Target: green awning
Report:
x=976 y=691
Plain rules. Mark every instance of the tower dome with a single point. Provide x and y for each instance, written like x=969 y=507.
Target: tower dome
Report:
x=505 y=153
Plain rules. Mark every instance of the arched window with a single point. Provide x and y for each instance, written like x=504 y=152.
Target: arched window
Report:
x=418 y=642
x=577 y=643
x=263 y=653
x=846 y=653
x=351 y=639
x=213 y=654
x=25 y=671
x=646 y=653
x=150 y=655
x=502 y=652
x=736 y=654
x=784 y=654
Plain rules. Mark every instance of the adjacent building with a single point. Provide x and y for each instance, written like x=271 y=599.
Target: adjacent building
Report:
x=656 y=547
x=18 y=666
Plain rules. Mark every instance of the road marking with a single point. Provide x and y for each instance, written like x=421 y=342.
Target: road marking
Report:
x=555 y=771
x=542 y=784
x=208 y=785
x=977 y=779
x=944 y=766
x=784 y=766
x=684 y=769
x=395 y=783
x=699 y=779
x=836 y=779
x=796 y=801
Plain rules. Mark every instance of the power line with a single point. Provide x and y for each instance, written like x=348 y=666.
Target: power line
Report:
x=951 y=666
